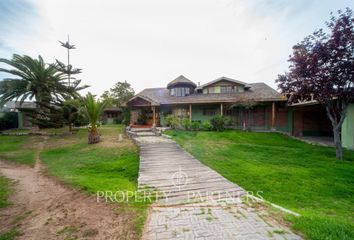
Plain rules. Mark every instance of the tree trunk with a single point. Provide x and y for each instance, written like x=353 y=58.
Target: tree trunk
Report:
x=94 y=136
x=338 y=143
x=336 y=112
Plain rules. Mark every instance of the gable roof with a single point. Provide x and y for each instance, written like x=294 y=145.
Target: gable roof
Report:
x=180 y=79
x=259 y=92
x=223 y=79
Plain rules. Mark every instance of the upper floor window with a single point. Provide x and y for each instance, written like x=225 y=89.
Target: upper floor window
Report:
x=180 y=92
x=211 y=90
x=228 y=89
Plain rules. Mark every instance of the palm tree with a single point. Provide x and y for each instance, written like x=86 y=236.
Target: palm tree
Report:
x=34 y=80
x=93 y=110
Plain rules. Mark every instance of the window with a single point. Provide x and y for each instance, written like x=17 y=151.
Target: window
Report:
x=209 y=112
x=211 y=90
x=228 y=89
x=180 y=92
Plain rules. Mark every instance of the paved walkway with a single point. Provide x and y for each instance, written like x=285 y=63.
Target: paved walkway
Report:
x=197 y=202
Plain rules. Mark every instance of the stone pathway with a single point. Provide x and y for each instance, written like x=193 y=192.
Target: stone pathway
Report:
x=195 y=202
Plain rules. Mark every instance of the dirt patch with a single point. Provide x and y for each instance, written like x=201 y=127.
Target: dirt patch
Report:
x=42 y=208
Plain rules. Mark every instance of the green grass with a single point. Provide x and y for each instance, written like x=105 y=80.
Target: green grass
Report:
x=4 y=191
x=20 y=149
x=10 y=235
x=302 y=177
x=4 y=195
x=98 y=167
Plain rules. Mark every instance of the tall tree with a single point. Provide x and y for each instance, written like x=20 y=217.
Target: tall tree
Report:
x=93 y=110
x=34 y=79
x=322 y=68
x=68 y=69
x=120 y=93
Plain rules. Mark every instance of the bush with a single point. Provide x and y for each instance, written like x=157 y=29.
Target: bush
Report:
x=207 y=126
x=228 y=121
x=8 y=120
x=218 y=123
x=126 y=116
x=186 y=124
x=172 y=121
x=195 y=126
x=142 y=117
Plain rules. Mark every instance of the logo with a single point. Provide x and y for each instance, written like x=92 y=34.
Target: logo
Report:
x=179 y=179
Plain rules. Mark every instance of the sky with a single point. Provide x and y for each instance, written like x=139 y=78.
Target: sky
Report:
x=150 y=43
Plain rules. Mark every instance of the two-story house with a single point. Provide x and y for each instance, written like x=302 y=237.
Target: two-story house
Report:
x=251 y=106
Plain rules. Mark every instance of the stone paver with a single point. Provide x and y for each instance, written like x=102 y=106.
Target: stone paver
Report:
x=197 y=202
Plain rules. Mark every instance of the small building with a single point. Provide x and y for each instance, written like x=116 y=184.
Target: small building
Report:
x=25 y=112
x=112 y=115
x=254 y=106
x=348 y=128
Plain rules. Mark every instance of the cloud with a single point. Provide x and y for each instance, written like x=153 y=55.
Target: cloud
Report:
x=149 y=43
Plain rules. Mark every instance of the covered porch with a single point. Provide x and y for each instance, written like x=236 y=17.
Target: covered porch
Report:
x=144 y=113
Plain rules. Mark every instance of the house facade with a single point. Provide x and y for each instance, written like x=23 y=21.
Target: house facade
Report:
x=254 y=106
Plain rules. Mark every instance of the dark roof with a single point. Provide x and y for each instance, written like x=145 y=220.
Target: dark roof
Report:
x=112 y=109
x=179 y=80
x=224 y=79
x=255 y=92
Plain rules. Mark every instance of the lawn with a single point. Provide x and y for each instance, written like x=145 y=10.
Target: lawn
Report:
x=107 y=166
x=4 y=192
x=304 y=178
x=20 y=149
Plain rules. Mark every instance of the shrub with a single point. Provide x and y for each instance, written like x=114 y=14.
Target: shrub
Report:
x=172 y=121
x=227 y=121
x=195 y=126
x=8 y=120
x=126 y=116
x=142 y=117
x=218 y=123
x=207 y=126
x=186 y=124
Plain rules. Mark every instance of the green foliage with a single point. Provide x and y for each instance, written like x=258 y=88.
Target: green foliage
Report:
x=8 y=120
x=172 y=121
x=4 y=191
x=207 y=126
x=142 y=117
x=72 y=114
x=195 y=126
x=11 y=234
x=93 y=110
x=119 y=94
x=228 y=121
x=185 y=123
x=126 y=116
x=218 y=123
x=33 y=79
x=301 y=177
x=20 y=149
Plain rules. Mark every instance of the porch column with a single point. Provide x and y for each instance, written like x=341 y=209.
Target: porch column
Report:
x=190 y=112
x=273 y=116
x=153 y=116
x=221 y=110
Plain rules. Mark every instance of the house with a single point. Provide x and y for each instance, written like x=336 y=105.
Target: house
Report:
x=254 y=106
x=24 y=111
x=112 y=115
x=348 y=128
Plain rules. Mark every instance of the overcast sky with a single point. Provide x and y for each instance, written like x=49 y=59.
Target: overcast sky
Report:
x=149 y=43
